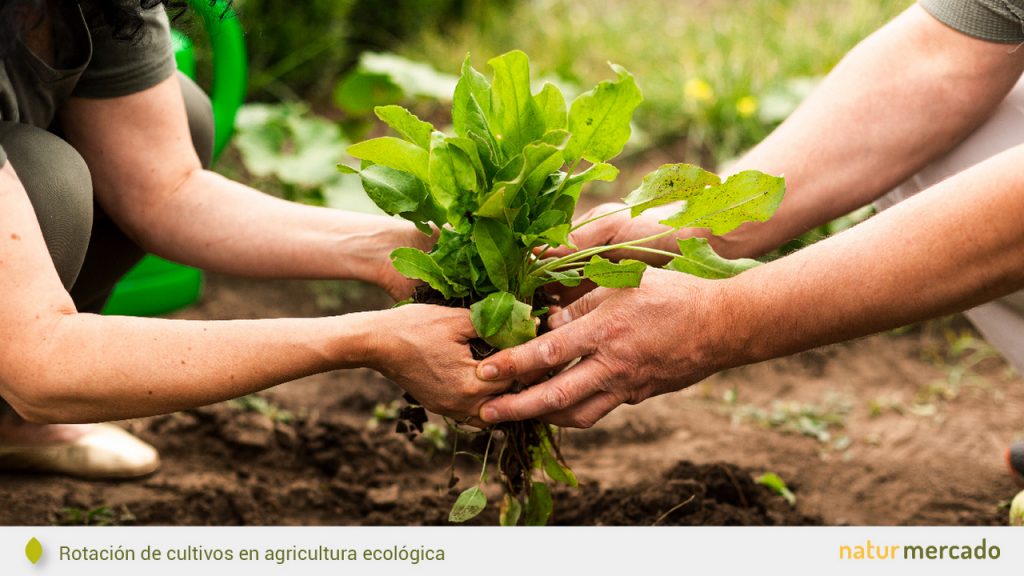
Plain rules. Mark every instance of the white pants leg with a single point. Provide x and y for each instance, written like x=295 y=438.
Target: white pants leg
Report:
x=1001 y=322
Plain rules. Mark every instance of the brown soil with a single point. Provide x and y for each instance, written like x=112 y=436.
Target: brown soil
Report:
x=888 y=460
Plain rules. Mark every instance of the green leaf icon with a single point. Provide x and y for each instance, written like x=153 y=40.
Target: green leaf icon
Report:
x=33 y=550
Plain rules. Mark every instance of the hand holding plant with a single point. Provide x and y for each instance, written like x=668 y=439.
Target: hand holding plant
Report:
x=502 y=192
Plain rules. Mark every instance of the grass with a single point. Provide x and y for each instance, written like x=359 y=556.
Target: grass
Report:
x=100 y=516
x=716 y=74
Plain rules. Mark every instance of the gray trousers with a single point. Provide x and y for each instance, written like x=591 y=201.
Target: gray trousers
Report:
x=1001 y=322
x=88 y=249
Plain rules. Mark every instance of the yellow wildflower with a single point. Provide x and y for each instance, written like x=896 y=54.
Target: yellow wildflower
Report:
x=699 y=91
x=746 y=106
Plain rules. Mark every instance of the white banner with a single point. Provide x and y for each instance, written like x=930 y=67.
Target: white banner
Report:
x=513 y=551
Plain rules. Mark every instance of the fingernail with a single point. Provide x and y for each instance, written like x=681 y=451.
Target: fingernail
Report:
x=488 y=372
x=562 y=318
x=489 y=415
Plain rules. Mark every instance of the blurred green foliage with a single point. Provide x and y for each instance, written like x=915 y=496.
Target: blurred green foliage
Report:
x=717 y=75
x=299 y=49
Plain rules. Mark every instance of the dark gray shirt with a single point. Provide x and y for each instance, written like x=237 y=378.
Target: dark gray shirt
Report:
x=993 y=20
x=94 y=65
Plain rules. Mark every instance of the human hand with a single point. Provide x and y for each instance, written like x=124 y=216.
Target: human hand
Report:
x=386 y=276
x=633 y=344
x=425 y=350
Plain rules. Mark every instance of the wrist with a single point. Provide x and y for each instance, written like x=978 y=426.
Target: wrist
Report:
x=364 y=253
x=733 y=320
x=356 y=341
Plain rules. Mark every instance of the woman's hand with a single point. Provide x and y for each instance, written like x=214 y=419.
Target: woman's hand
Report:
x=383 y=273
x=425 y=350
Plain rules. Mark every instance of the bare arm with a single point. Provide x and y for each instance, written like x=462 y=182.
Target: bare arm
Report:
x=901 y=98
x=950 y=247
x=57 y=365
x=904 y=96
x=148 y=178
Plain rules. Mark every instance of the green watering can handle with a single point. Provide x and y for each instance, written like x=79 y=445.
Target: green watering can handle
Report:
x=227 y=42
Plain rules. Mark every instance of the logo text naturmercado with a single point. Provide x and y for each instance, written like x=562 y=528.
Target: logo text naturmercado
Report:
x=871 y=551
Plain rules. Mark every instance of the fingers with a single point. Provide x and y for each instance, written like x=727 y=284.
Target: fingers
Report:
x=568 y=295
x=586 y=413
x=547 y=351
x=581 y=307
x=556 y=395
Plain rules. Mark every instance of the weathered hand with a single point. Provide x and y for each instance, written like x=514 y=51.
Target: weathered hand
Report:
x=425 y=350
x=633 y=344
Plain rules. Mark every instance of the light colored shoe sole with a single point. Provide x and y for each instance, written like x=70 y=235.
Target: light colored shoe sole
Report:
x=105 y=452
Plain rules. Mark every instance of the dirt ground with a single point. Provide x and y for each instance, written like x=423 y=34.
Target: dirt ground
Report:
x=900 y=428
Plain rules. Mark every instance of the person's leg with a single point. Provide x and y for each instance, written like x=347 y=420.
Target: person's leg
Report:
x=1001 y=322
x=91 y=254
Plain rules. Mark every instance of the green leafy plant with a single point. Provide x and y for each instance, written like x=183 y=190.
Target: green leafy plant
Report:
x=502 y=191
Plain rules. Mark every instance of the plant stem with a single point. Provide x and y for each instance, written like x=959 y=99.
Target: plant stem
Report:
x=577 y=256
x=596 y=218
x=487 y=450
x=572 y=170
x=650 y=250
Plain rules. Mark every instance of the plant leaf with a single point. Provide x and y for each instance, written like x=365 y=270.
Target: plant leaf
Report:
x=599 y=119
x=502 y=321
x=407 y=124
x=749 y=196
x=510 y=511
x=622 y=274
x=501 y=254
x=471 y=110
x=773 y=481
x=416 y=264
x=491 y=314
x=699 y=259
x=669 y=183
x=539 y=505
x=471 y=502
x=602 y=171
x=392 y=191
x=569 y=278
x=393 y=153
x=553 y=468
x=452 y=175
x=513 y=111
x=552 y=107
x=538 y=162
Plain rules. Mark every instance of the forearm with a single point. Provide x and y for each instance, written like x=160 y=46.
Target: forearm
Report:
x=217 y=224
x=949 y=248
x=901 y=98
x=84 y=368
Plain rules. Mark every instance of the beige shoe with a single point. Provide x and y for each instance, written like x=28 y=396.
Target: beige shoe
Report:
x=105 y=451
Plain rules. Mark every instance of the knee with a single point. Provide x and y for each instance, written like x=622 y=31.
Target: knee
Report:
x=200 y=118
x=59 y=186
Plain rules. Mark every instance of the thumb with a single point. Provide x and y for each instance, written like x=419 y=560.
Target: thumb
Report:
x=581 y=307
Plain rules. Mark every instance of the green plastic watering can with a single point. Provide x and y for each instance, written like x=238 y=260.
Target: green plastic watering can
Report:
x=157 y=286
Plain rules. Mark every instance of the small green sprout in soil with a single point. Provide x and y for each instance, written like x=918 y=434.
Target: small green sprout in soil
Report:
x=262 y=406
x=818 y=421
x=778 y=485
x=502 y=191
x=100 y=516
